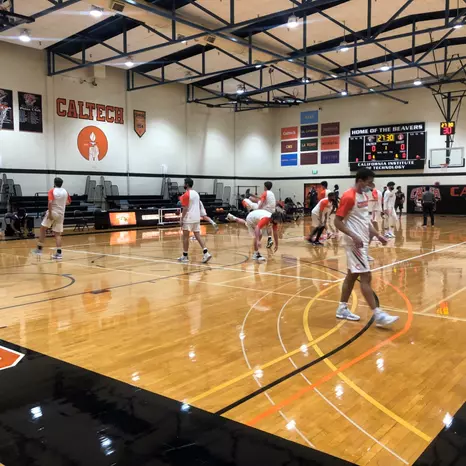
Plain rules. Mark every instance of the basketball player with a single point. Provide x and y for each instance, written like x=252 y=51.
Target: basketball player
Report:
x=320 y=214
x=323 y=193
x=375 y=207
x=256 y=221
x=389 y=209
x=375 y=212
x=205 y=217
x=191 y=221
x=54 y=217
x=353 y=220
x=400 y=200
x=267 y=202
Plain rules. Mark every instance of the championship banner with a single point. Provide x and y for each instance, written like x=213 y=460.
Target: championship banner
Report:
x=450 y=199
x=30 y=112
x=6 y=109
x=139 y=122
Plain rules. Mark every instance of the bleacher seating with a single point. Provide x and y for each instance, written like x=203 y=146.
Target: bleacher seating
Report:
x=138 y=202
x=212 y=205
x=37 y=205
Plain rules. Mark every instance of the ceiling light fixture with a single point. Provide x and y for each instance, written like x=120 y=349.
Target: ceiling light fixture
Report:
x=343 y=93
x=334 y=76
x=293 y=21
x=259 y=65
x=240 y=89
x=96 y=12
x=372 y=90
x=182 y=38
x=25 y=36
x=385 y=67
x=344 y=46
x=129 y=63
x=305 y=80
x=457 y=26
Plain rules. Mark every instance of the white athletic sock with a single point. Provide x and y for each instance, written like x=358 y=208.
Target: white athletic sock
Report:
x=377 y=310
x=342 y=305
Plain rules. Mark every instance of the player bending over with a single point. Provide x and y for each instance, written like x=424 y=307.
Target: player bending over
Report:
x=267 y=202
x=54 y=217
x=320 y=214
x=256 y=221
x=352 y=219
x=191 y=221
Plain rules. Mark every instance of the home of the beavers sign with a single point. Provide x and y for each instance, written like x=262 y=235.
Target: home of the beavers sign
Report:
x=89 y=111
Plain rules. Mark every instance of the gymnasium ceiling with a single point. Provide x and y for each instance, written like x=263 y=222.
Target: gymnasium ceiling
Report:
x=218 y=47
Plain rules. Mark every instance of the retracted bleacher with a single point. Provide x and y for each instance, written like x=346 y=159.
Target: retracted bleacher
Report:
x=137 y=202
x=37 y=205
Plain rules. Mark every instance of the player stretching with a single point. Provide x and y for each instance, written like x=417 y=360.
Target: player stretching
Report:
x=353 y=220
x=205 y=217
x=191 y=221
x=320 y=214
x=389 y=209
x=266 y=202
x=54 y=217
x=255 y=222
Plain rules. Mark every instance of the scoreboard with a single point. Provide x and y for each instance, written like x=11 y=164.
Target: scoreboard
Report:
x=390 y=147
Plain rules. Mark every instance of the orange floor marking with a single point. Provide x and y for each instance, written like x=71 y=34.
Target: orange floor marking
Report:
x=345 y=366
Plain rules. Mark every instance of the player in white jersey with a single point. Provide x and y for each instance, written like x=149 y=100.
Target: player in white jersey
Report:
x=267 y=202
x=255 y=222
x=389 y=200
x=375 y=207
x=352 y=219
x=58 y=199
x=191 y=221
x=205 y=217
x=320 y=215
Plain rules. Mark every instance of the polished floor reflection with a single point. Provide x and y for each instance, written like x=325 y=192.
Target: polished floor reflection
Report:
x=212 y=336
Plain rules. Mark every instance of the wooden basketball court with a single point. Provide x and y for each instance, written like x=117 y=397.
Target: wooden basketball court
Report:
x=210 y=336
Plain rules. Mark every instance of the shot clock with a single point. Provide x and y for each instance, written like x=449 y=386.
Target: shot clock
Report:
x=447 y=128
x=391 y=147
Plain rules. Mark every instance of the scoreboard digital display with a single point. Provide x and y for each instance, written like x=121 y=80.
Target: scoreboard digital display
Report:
x=390 y=147
x=447 y=128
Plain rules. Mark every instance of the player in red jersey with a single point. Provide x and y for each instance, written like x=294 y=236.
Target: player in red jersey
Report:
x=352 y=219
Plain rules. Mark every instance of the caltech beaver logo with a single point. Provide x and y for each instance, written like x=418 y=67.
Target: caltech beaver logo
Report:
x=92 y=143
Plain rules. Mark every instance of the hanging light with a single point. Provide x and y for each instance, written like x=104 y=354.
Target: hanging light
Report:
x=293 y=21
x=343 y=93
x=334 y=76
x=344 y=46
x=457 y=26
x=129 y=63
x=96 y=12
x=240 y=89
x=417 y=81
x=372 y=90
x=182 y=38
x=385 y=66
x=25 y=36
x=305 y=80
